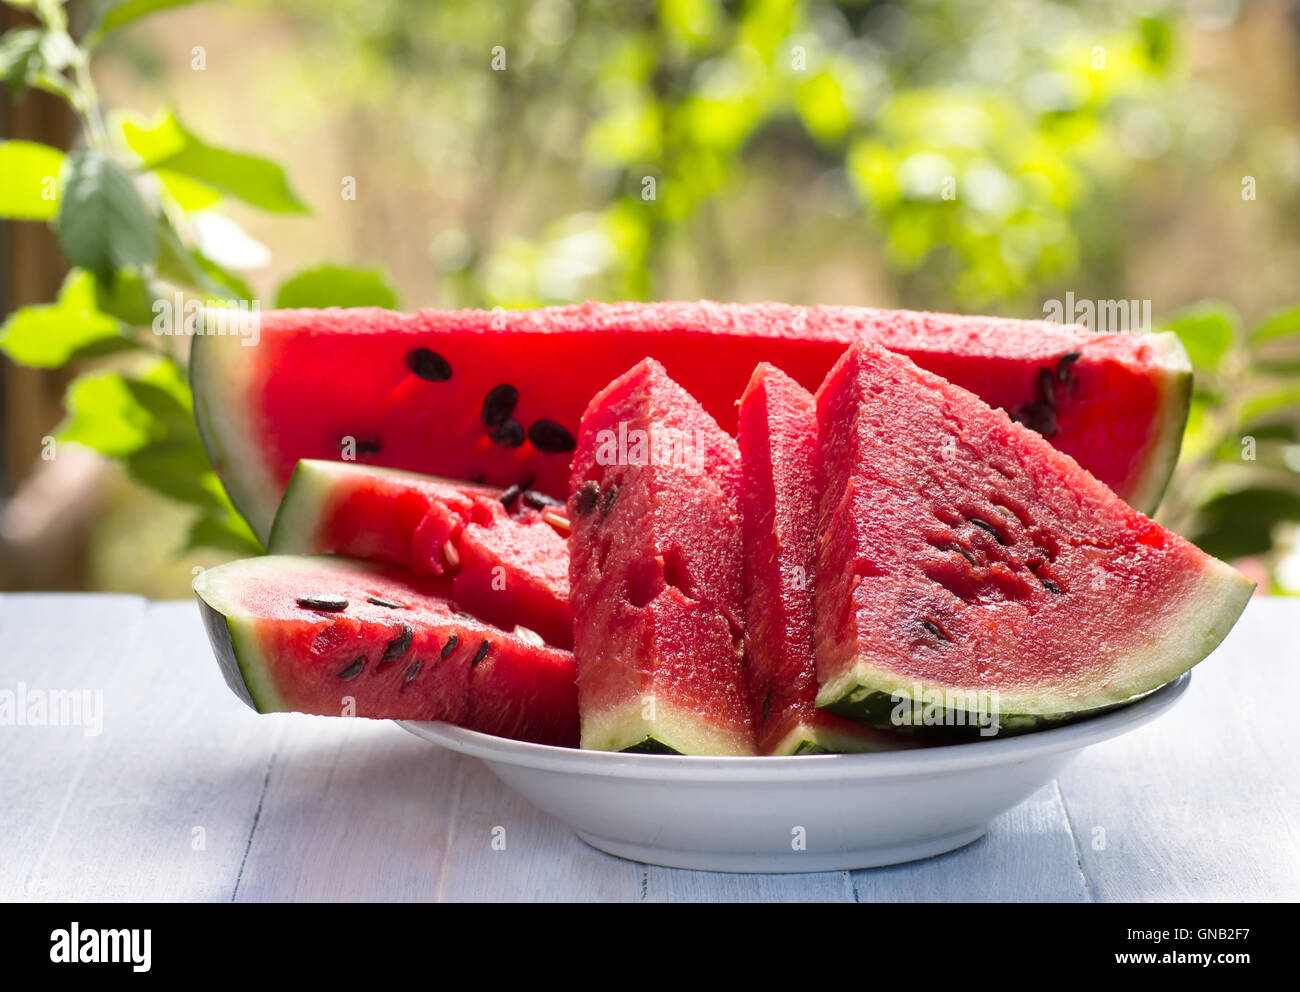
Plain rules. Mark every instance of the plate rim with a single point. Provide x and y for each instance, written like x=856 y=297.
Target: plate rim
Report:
x=807 y=767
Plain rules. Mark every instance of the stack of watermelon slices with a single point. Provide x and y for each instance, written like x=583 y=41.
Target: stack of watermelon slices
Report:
x=891 y=560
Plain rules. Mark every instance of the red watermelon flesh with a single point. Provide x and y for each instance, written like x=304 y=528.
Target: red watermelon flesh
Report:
x=777 y=437
x=338 y=637
x=960 y=553
x=509 y=566
x=496 y=397
x=656 y=573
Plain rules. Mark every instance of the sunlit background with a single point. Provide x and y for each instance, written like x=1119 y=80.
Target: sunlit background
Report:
x=946 y=155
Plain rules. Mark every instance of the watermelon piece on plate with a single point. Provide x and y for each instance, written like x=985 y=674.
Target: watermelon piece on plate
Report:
x=507 y=565
x=495 y=397
x=967 y=566
x=655 y=573
x=777 y=436
x=337 y=637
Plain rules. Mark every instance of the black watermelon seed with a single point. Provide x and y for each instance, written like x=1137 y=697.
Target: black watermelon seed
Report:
x=549 y=436
x=428 y=365
x=984 y=525
x=369 y=447
x=412 y=672
x=399 y=645
x=499 y=404
x=767 y=704
x=934 y=629
x=480 y=654
x=353 y=670
x=1063 y=366
x=1050 y=586
x=388 y=604
x=450 y=646
x=510 y=495
x=1046 y=387
x=963 y=552
x=587 y=496
x=1037 y=417
x=611 y=494
x=327 y=603
x=511 y=434
x=540 y=501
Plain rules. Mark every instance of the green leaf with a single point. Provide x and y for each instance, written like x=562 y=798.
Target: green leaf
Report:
x=1283 y=324
x=103 y=224
x=30 y=190
x=53 y=334
x=28 y=54
x=167 y=147
x=1206 y=332
x=1240 y=524
x=177 y=468
x=130 y=299
x=188 y=267
x=126 y=13
x=102 y=414
x=1262 y=404
x=336 y=286
x=227 y=532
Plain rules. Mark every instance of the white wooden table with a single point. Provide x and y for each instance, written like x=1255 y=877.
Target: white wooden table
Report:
x=188 y=795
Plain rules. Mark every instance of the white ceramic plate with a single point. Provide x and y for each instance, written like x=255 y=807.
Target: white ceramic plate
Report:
x=811 y=813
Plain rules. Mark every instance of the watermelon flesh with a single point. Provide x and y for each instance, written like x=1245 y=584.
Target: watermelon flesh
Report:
x=496 y=397
x=507 y=565
x=777 y=436
x=656 y=573
x=961 y=554
x=338 y=637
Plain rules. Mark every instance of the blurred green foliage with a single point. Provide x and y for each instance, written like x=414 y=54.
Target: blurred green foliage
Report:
x=989 y=153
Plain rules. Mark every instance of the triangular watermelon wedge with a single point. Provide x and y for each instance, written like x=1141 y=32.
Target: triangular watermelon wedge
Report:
x=967 y=568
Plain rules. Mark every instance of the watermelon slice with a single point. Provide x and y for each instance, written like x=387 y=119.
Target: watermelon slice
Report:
x=509 y=566
x=969 y=567
x=336 y=637
x=496 y=397
x=655 y=572
x=779 y=497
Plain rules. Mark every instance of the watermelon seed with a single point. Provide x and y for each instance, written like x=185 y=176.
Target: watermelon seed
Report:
x=529 y=636
x=428 y=364
x=557 y=520
x=511 y=494
x=984 y=525
x=1047 y=386
x=399 y=645
x=353 y=670
x=450 y=646
x=549 y=436
x=411 y=672
x=934 y=629
x=1050 y=586
x=326 y=603
x=540 y=501
x=963 y=552
x=1063 y=365
x=450 y=553
x=587 y=497
x=767 y=704
x=1037 y=417
x=510 y=434
x=611 y=494
x=499 y=404
x=480 y=654
x=369 y=447
x=388 y=604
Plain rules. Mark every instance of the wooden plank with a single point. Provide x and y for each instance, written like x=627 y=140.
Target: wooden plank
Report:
x=163 y=800
x=1028 y=855
x=1203 y=803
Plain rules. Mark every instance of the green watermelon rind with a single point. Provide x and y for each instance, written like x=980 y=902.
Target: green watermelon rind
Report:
x=242 y=664
x=868 y=694
x=673 y=730
x=1175 y=405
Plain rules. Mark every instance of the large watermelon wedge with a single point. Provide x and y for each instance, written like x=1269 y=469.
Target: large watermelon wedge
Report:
x=655 y=572
x=336 y=637
x=507 y=564
x=496 y=397
x=967 y=568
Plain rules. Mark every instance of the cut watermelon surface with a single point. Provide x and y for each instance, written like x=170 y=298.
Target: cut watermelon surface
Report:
x=507 y=565
x=965 y=563
x=331 y=636
x=777 y=436
x=495 y=397
x=656 y=573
